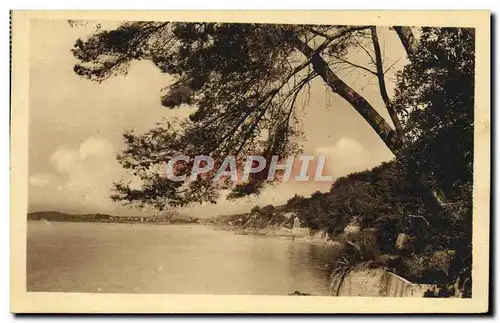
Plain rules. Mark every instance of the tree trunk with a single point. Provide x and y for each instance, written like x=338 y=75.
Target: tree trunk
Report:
x=381 y=82
x=408 y=40
x=360 y=104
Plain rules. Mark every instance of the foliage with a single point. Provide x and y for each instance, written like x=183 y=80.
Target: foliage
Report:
x=268 y=209
x=255 y=209
x=244 y=83
x=435 y=99
x=295 y=201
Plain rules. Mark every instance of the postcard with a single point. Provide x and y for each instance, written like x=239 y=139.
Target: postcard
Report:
x=250 y=161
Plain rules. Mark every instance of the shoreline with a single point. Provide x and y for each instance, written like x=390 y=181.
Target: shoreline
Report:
x=114 y=222
x=279 y=231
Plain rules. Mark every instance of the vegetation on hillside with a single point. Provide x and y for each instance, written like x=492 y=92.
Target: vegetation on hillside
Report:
x=55 y=216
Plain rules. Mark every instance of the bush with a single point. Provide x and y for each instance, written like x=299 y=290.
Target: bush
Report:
x=255 y=209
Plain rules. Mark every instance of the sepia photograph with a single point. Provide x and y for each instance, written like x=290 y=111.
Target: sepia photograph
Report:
x=262 y=161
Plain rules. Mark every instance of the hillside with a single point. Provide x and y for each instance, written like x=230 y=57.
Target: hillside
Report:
x=106 y=218
x=59 y=216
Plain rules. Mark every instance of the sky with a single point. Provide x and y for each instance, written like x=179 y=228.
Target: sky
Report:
x=76 y=126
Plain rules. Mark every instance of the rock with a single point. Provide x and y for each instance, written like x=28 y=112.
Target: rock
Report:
x=300 y=232
x=289 y=215
x=297 y=293
x=401 y=241
x=376 y=282
x=351 y=231
x=313 y=236
x=364 y=241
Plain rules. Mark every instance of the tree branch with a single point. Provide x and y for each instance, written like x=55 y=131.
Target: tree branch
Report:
x=337 y=35
x=345 y=31
x=391 y=66
x=355 y=65
x=359 y=103
x=366 y=51
x=381 y=83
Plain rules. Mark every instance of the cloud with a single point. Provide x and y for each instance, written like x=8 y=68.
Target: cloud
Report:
x=41 y=179
x=67 y=160
x=346 y=156
x=95 y=146
x=64 y=159
x=82 y=177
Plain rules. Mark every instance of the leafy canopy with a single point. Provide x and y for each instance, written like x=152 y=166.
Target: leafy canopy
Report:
x=244 y=81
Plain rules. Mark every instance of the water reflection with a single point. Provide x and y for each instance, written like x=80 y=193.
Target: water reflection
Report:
x=311 y=262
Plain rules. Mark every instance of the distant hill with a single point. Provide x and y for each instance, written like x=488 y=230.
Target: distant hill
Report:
x=60 y=216
x=57 y=216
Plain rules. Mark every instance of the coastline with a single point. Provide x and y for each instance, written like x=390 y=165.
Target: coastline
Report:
x=303 y=234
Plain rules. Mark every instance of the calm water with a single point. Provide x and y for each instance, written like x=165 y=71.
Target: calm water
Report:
x=143 y=258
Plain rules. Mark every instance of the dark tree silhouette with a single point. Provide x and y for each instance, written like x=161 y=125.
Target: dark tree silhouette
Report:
x=244 y=81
